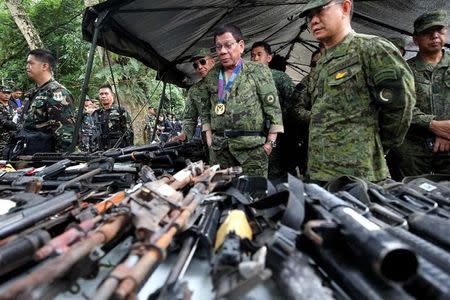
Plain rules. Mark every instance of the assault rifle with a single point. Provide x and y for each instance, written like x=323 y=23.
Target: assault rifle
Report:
x=332 y=241
x=193 y=150
x=26 y=247
x=155 y=235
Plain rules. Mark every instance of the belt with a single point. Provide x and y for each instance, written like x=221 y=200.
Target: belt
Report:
x=238 y=133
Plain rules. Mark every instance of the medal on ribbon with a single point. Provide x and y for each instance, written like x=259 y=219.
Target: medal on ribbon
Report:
x=222 y=93
x=220 y=109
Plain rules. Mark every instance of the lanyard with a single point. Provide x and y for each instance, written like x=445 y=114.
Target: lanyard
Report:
x=222 y=92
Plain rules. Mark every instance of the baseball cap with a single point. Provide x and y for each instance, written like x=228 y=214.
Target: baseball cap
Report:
x=431 y=19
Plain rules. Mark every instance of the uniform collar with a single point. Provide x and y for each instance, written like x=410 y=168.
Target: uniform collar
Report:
x=421 y=65
x=341 y=48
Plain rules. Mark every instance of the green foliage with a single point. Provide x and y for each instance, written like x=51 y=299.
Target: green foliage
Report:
x=59 y=25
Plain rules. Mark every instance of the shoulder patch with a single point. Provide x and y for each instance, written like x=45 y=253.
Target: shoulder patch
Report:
x=385 y=75
x=58 y=96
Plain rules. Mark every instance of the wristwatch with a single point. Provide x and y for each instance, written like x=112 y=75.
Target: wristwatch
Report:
x=272 y=143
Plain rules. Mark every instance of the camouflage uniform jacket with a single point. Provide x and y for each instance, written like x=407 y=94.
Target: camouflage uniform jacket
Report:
x=285 y=88
x=89 y=134
x=114 y=123
x=7 y=126
x=251 y=101
x=48 y=109
x=192 y=110
x=432 y=102
x=361 y=96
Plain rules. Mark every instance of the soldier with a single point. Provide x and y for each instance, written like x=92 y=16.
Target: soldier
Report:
x=203 y=62
x=240 y=100
x=427 y=144
x=361 y=95
x=48 y=120
x=89 y=135
x=7 y=126
x=115 y=122
x=280 y=161
x=149 y=126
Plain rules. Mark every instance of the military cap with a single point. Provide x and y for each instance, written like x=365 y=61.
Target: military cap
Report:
x=312 y=5
x=430 y=19
x=200 y=52
x=5 y=89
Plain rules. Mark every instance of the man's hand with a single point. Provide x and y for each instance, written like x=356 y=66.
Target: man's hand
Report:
x=441 y=145
x=267 y=146
x=441 y=128
x=208 y=134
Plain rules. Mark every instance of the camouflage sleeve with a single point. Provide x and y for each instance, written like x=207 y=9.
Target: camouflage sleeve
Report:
x=392 y=87
x=201 y=95
x=421 y=119
x=190 y=114
x=61 y=118
x=285 y=87
x=268 y=95
x=301 y=103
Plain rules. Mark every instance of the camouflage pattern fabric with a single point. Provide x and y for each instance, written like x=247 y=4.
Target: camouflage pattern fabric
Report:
x=7 y=127
x=89 y=134
x=192 y=109
x=280 y=161
x=433 y=94
x=252 y=100
x=48 y=109
x=361 y=95
x=114 y=123
x=148 y=128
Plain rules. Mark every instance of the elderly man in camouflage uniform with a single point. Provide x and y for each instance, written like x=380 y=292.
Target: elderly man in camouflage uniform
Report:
x=7 y=126
x=427 y=144
x=48 y=119
x=114 y=121
x=280 y=160
x=361 y=95
x=240 y=99
x=202 y=62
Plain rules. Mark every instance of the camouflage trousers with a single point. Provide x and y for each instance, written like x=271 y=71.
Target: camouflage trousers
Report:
x=414 y=165
x=255 y=165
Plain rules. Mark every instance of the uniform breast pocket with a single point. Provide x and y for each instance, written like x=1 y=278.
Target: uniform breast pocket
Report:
x=345 y=78
x=39 y=112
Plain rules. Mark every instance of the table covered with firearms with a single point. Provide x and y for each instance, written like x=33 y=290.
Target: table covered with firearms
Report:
x=351 y=239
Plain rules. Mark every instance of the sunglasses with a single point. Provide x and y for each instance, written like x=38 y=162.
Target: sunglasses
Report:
x=201 y=62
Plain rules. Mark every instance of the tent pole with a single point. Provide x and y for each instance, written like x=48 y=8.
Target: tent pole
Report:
x=161 y=100
x=87 y=77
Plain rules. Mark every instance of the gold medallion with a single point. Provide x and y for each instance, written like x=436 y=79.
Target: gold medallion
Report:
x=220 y=109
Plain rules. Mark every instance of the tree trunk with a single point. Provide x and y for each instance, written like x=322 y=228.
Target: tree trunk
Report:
x=24 y=23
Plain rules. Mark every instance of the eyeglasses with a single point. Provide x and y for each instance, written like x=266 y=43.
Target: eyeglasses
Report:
x=227 y=45
x=320 y=10
x=201 y=62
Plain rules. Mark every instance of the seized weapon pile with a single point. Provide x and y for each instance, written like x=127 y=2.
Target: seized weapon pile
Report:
x=353 y=240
